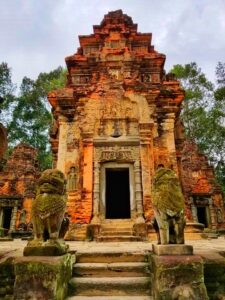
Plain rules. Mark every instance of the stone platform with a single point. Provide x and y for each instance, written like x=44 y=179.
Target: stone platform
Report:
x=104 y=262
x=209 y=248
x=172 y=249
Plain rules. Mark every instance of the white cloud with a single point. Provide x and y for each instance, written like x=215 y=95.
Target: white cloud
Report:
x=36 y=36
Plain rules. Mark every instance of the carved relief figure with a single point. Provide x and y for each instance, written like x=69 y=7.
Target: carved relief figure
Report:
x=72 y=180
x=168 y=203
x=219 y=216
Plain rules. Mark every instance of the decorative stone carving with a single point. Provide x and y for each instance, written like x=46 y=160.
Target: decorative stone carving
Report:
x=114 y=73
x=72 y=180
x=116 y=153
x=146 y=77
x=219 y=215
x=47 y=215
x=168 y=203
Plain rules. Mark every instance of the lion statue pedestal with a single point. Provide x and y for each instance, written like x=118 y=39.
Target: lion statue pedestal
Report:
x=177 y=272
x=47 y=214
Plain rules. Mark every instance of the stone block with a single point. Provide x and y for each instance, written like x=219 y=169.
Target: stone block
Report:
x=170 y=249
x=140 y=229
x=7 y=276
x=93 y=230
x=42 y=277
x=178 y=277
x=214 y=273
x=49 y=248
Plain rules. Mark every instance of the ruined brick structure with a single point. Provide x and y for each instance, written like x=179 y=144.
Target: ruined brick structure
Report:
x=116 y=120
x=17 y=189
x=205 y=203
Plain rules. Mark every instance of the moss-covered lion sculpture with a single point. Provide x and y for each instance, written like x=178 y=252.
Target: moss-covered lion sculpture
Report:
x=168 y=203
x=49 y=205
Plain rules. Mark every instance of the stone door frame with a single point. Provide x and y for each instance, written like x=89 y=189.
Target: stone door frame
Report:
x=115 y=165
x=13 y=203
x=136 y=196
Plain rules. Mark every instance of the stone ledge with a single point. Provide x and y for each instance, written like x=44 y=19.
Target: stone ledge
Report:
x=170 y=249
x=49 y=248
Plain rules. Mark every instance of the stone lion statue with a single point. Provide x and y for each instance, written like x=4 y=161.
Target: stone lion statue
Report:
x=168 y=204
x=49 y=205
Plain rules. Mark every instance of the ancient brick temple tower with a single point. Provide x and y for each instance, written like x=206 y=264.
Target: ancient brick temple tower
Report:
x=116 y=120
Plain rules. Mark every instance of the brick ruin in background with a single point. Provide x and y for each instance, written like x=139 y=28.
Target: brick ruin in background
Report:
x=17 y=190
x=116 y=120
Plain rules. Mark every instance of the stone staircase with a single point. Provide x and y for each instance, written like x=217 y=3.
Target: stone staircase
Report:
x=111 y=276
x=118 y=231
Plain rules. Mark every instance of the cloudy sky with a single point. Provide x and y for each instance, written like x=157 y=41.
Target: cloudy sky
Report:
x=36 y=35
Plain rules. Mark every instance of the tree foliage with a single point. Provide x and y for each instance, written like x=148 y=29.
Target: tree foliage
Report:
x=203 y=112
x=7 y=89
x=30 y=118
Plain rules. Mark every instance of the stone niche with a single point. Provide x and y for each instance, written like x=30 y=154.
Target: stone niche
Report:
x=115 y=121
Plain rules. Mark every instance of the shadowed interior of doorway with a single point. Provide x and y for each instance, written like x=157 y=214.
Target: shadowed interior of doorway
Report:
x=117 y=193
x=7 y=212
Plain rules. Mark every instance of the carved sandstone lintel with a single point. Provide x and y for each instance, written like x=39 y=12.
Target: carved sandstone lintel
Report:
x=116 y=153
x=113 y=155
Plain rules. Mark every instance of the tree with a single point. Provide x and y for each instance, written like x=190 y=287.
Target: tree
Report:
x=7 y=89
x=203 y=112
x=31 y=118
x=219 y=95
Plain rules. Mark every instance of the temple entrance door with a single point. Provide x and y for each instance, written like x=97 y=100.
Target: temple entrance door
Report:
x=117 y=194
x=7 y=214
x=202 y=213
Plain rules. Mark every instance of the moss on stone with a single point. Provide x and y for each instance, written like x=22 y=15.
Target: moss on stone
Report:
x=7 y=278
x=47 y=276
x=166 y=192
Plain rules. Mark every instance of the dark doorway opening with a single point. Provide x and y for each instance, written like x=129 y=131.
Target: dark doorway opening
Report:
x=7 y=214
x=202 y=216
x=117 y=193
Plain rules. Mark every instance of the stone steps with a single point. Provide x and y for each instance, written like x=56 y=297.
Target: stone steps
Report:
x=124 y=269
x=80 y=237
x=111 y=275
x=116 y=232
x=110 y=298
x=119 y=238
x=117 y=227
x=119 y=222
x=111 y=257
x=121 y=231
x=119 y=286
